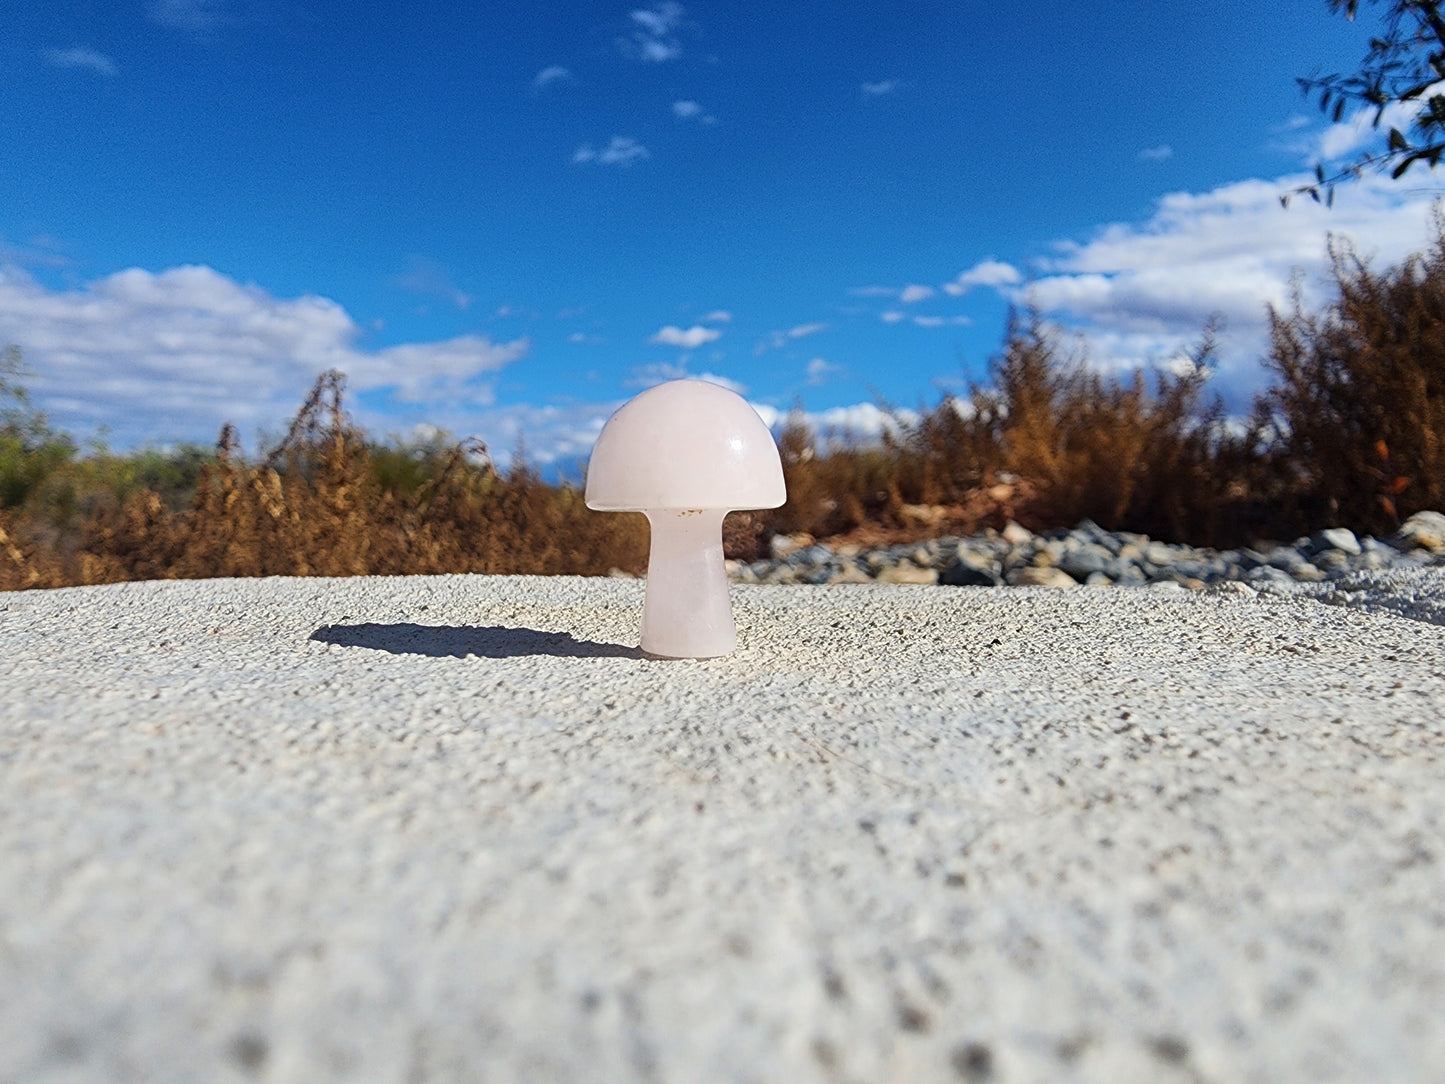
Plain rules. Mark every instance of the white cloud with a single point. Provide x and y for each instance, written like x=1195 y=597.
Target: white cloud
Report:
x=199 y=18
x=421 y=372
x=913 y=293
x=1161 y=153
x=1348 y=136
x=81 y=57
x=879 y=89
x=819 y=369
x=622 y=151
x=654 y=33
x=646 y=376
x=1358 y=131
x=172 y=355
x=722 y=382
x=718 y=316
x=689 y=339
x=658 y=20
x=988 y=272
x=428 y=278
x=690 y=110
x=776 y=340
x=897 y=316
x=861 y=422
x=554 y=74
x=557 y=435
x=40 y=250
x=1141 y=291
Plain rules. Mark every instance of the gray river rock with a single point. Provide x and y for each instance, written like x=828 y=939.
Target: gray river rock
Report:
x=1088 y=555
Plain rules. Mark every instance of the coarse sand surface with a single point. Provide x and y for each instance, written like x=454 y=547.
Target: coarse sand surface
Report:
x=459 y=829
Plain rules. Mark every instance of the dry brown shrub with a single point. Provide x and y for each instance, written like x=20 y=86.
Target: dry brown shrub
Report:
x=1046 y=439
x=1359 y=404
x=16 y=568
x=842 y=485
x=26 y=563
x=314 y=507
x=1094 y=445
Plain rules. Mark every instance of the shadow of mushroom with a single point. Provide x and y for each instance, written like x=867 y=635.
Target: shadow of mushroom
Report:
x=485 y=641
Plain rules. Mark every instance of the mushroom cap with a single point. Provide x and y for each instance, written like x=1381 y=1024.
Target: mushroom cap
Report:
x=682 y=445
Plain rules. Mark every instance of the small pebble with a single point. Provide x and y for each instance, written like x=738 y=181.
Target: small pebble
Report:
x=1089 y=554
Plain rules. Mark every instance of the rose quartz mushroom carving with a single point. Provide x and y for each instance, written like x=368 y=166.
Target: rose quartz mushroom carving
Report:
x=685 y=453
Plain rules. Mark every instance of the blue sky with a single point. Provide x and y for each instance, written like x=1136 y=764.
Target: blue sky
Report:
x=506 y=219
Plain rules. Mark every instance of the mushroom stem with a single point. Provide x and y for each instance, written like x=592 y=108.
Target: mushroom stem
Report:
x=687 y=614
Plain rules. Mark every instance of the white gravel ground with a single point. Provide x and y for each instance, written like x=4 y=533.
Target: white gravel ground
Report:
x=455 y=828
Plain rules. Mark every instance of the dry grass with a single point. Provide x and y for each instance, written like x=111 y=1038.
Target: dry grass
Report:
x=1046 y=440
x=316 y=507
x=1360 y=394
x=1352 y=433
